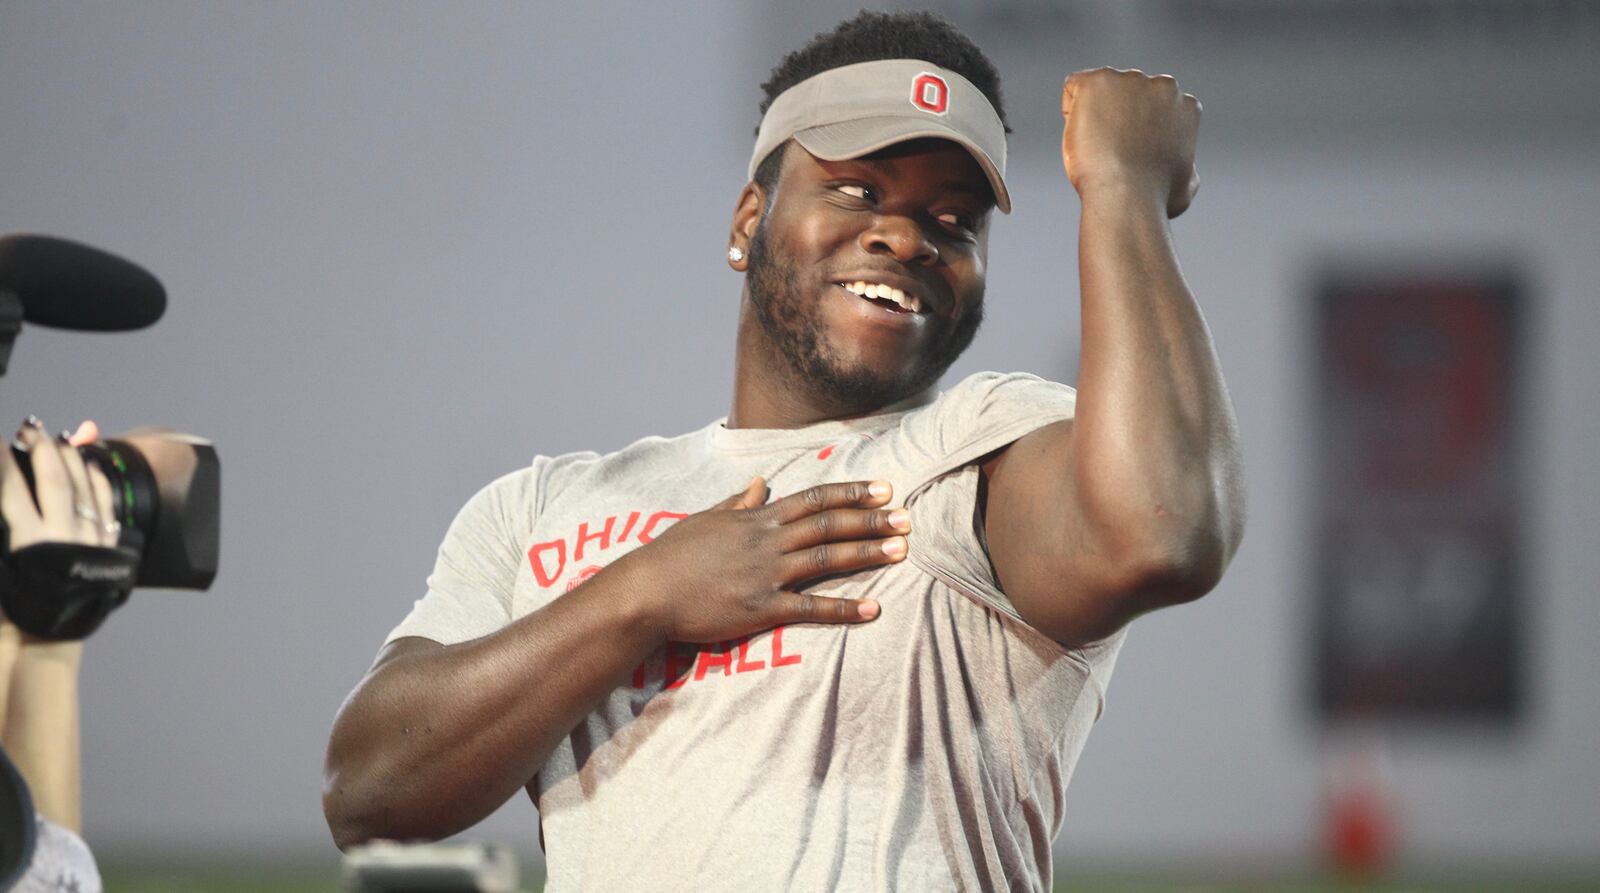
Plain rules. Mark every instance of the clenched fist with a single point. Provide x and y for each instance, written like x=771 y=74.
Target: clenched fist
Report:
x=1129 y=129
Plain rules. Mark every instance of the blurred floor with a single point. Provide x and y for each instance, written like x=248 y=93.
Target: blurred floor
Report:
x=322 y=877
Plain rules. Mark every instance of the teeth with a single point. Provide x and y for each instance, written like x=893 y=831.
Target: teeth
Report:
x=888 y=293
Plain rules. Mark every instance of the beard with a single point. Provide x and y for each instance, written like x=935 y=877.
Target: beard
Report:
x=794 y=325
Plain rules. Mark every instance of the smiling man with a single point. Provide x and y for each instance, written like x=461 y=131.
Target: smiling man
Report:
x=872 y=666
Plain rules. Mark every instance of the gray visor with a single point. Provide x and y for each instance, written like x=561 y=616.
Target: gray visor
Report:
x=855 y=110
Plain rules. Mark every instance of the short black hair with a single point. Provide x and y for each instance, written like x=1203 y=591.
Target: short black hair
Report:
x=871 y=36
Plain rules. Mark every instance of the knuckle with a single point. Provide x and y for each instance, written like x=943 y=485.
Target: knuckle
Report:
x=806 y=607
x=813 y=498
x=824 y=525
x=817 y=558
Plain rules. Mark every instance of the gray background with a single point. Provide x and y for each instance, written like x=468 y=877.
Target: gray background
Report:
x=410 y=245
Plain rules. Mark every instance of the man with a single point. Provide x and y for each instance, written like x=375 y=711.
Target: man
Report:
x=881 y=680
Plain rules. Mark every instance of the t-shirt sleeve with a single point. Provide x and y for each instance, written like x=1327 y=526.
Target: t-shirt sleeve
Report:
x=469 y=591
x=978 y=416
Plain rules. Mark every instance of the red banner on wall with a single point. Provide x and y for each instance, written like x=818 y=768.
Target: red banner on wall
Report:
x=1417 y=550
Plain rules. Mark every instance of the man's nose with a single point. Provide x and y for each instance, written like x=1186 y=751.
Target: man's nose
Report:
x=902 y=238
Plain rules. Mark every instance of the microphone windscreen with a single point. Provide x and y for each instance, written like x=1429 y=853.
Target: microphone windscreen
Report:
x=72 y=286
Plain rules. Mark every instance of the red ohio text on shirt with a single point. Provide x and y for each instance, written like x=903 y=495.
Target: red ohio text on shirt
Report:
x=549 y=559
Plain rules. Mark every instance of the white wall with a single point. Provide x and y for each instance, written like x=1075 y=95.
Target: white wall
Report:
x=407 y=247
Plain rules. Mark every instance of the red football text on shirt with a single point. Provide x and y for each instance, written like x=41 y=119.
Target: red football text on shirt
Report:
x=683 y=663
x=549 y=558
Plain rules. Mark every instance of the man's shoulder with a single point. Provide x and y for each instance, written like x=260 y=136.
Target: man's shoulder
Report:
x=518 y=496
x=644 y=452
x=985 y=398
x=554 y=473
x=982 y=386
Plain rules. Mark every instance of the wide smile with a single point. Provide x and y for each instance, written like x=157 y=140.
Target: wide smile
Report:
x=886 y=296
x=878 y=311
x=887 y=299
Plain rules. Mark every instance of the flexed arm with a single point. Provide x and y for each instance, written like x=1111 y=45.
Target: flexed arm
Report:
x=1138 y=501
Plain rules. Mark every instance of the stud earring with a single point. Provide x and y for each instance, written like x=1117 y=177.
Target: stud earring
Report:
x=735 y=255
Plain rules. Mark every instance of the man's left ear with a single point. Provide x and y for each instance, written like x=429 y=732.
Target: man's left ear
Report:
x=746 y=217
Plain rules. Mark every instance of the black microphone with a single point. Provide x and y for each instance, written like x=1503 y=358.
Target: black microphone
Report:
x=70 y=286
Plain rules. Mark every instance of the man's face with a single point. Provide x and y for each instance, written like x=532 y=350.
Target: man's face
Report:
x=913 y=217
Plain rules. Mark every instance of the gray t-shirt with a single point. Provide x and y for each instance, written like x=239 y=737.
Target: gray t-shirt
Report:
x=927 y=750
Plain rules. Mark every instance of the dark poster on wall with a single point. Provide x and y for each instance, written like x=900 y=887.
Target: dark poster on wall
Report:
x=1417 y=540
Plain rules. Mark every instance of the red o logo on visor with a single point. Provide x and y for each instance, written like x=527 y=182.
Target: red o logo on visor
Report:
x=930 y=93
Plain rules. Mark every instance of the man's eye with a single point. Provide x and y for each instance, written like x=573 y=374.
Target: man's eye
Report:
x=956 y=221
x=855 y=190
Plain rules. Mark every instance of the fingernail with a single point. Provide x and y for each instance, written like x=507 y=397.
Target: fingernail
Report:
x=900 y=519
x=33 y=422
x=895 y=546
x=879 y=489
x=867 y=610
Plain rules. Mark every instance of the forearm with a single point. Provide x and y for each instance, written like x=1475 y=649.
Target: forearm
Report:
x=41 y=727
x=433 y=742
x=10 y=644
x=1156 y=442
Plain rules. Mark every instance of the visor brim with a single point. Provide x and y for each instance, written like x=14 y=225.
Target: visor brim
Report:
x=863 y=136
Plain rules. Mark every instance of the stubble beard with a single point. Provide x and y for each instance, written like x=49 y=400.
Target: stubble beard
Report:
x=794 y=326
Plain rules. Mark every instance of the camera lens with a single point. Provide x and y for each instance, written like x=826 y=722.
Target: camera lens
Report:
x=166 y=490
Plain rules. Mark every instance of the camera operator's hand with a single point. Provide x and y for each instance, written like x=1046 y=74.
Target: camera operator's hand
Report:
x=732 y=570
x=39 y=677
x=70 y=501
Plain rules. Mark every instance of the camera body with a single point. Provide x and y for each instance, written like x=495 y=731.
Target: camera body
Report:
x=387 y=866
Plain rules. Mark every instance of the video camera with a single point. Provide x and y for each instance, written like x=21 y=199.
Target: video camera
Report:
x=166 y=485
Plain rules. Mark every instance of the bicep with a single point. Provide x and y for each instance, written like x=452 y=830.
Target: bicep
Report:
x=400 y=648
x=381 y=685
x=1057 y=570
